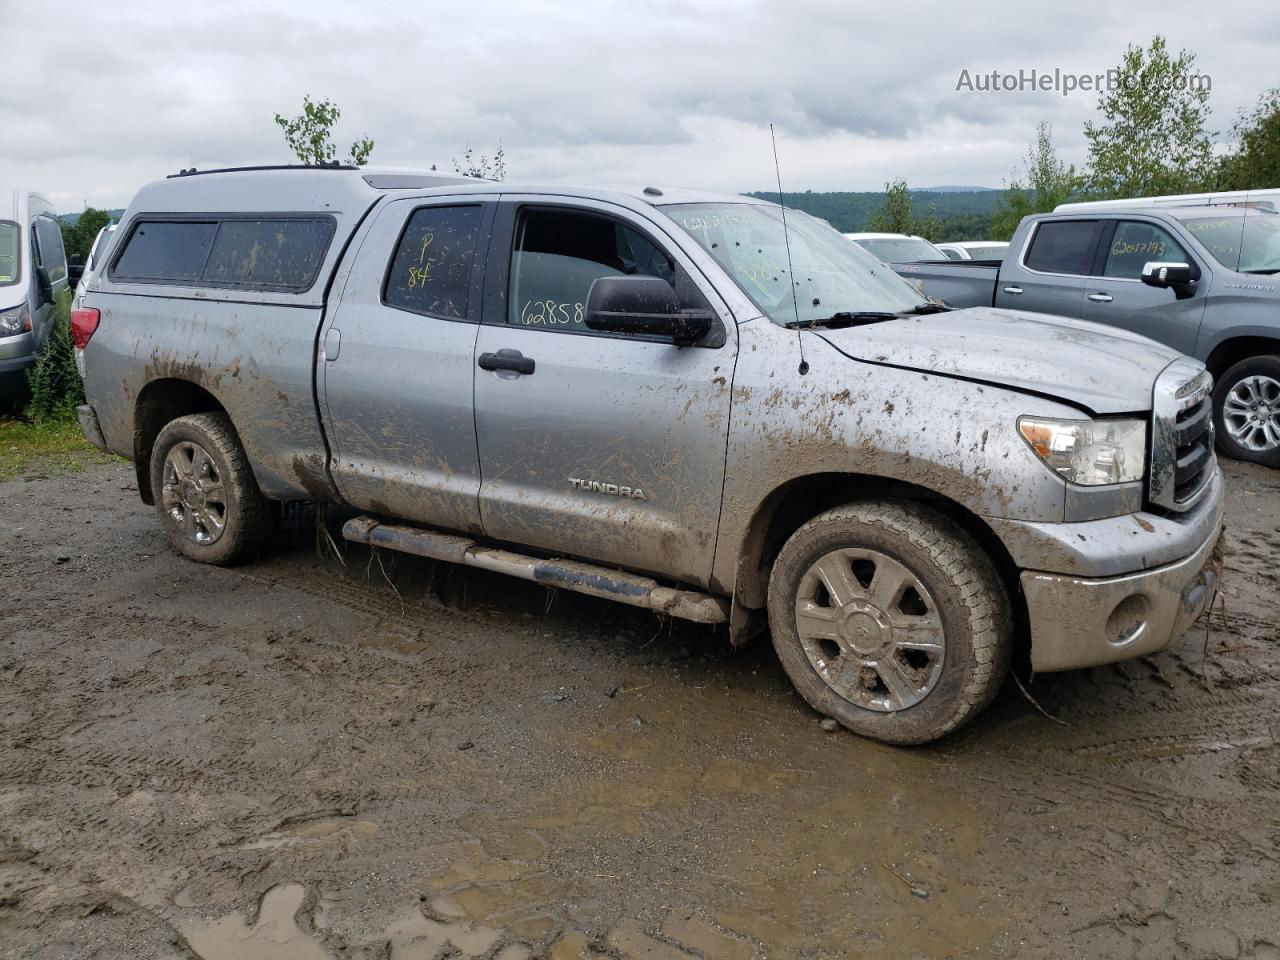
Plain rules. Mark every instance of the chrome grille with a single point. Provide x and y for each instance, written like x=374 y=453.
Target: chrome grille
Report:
x=1182 y=459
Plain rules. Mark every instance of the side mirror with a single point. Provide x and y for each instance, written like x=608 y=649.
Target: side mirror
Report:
x=1159 y=273
x=643 y=306
x=45 y=285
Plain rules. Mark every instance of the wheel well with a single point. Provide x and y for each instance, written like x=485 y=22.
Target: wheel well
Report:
x=160 y=402
x=1230 y=352
x=796 y=502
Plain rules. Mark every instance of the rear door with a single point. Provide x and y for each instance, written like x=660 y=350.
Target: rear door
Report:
x=1117 y=296
x=397 y=367
x=601 y=446
x=1048 y=274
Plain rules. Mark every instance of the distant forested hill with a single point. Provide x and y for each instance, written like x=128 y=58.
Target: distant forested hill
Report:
x=962 y=215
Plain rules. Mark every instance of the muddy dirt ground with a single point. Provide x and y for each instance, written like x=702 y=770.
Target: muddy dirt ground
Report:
x=293 y=760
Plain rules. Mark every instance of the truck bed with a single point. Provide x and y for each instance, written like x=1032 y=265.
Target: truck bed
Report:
x=959 y=283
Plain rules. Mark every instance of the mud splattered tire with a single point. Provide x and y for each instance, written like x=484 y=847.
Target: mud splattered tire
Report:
x=1246 y=411
x=205 y=492
x=890 y=619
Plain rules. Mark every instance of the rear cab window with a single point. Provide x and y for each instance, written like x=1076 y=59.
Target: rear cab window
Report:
x=431 y=272
x=1063 y=247
x=242 y=252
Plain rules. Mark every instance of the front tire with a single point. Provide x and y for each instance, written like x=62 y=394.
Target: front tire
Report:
x=208 y=499
x=1246 y=411
x=890 y=619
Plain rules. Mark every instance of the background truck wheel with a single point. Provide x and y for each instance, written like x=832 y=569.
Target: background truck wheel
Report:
x=891 y=619
x=1246 y=410
x=208 y=500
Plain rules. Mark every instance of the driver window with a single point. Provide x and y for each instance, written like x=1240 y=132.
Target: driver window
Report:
x=1136 y=244
x=557 y=256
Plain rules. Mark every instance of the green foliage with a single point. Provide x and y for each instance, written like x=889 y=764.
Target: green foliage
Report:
x=1045 y=183
x=78 y=237
x=56 y=388
x=1255 y=160
x=480 y=166
x=308 y=134
x=1152 y=139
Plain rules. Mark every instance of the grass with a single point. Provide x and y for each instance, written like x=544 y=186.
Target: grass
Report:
x=56 y=447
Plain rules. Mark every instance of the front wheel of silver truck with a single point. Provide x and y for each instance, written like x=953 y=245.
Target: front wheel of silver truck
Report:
x=208 y=499
x=890 y=619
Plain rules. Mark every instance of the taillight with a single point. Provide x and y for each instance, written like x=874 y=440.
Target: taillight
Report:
x=83 y=324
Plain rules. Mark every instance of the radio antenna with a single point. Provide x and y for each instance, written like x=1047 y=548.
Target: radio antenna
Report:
x=786 y=240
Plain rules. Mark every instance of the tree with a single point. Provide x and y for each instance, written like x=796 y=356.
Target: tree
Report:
x=1255 y=160
x=1046 y=182
x=78 y=237
x=480 y=166
x=308 y=134
x=1153 y=138
x=896 y=215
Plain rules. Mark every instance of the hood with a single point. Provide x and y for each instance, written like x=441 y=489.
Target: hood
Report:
x=1102 y=369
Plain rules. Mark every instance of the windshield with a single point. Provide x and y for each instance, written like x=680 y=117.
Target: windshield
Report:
x=9 y=237
x=832 y=275
x=1248 y=242
x=901 y=249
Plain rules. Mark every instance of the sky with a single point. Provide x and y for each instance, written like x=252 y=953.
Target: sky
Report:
x=106 y=96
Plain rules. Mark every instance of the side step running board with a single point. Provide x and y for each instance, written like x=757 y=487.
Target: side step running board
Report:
x=566 y=574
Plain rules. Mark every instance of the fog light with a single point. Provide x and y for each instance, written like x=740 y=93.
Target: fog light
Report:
x=1128 y=620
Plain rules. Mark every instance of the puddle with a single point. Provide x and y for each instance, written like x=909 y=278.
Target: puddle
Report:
x=343 y=831
x=274 y=934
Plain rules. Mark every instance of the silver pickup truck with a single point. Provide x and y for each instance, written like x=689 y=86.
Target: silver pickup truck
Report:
x=1201 y=279
x=664 y=398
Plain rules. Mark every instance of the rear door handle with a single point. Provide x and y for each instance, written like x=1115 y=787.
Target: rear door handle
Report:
x=512 y=360
x=1100 y=297
x=1013 y=290
x=332 y=343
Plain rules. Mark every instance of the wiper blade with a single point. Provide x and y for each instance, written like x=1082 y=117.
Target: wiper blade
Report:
x=855 y=318
x=845 y=318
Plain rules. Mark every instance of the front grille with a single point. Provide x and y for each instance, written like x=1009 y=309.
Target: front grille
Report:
x=1182 y=459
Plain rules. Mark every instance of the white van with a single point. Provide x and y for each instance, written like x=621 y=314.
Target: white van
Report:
x=33 y=273
x=1268 y=200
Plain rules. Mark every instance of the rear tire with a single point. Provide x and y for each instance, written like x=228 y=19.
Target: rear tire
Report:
x=205 y=492
x=891 y=619
x=1246 y=411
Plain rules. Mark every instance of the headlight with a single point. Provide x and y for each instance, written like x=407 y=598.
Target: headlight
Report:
x=15 y=321
x=1089 y=452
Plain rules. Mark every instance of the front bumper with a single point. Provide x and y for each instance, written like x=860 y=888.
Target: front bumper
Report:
x=1087 y=621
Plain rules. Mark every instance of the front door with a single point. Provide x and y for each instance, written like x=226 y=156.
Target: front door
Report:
x=600 y=446
x=398 y=364
x=1119 y=298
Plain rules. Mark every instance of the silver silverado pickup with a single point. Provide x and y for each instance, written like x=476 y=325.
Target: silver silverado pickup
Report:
x=1201 y=279
x=664 y=398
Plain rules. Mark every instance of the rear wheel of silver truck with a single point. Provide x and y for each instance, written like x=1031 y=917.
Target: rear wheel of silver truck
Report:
x=208 y=499
x=890 y=619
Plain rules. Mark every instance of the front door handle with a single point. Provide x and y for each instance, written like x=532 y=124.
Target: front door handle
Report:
x=512 y=360
x=1100 y=297
x=1013 y=290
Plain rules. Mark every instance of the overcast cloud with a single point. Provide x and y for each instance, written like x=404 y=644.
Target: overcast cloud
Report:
x=103 y=97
